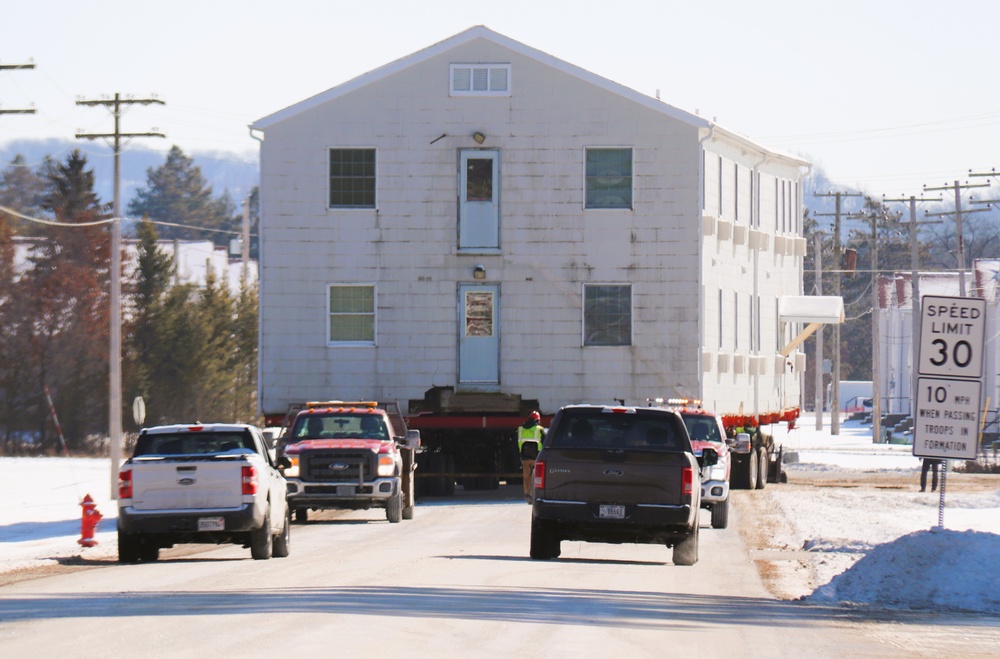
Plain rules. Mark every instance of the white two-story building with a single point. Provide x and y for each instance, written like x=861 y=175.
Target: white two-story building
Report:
x=484 y=216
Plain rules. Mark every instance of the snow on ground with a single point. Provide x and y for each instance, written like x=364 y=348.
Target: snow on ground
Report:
x=854 y=515
x=851 y=508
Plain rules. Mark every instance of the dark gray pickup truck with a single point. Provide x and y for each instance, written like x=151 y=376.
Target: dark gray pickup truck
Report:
x=617 y=475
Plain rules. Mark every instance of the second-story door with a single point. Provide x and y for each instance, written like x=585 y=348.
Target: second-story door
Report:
x=479 y=199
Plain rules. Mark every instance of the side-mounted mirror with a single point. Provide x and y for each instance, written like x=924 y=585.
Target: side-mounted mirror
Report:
x=283 y=463
x=742 y=442
x=709 y=457
x=412 y=439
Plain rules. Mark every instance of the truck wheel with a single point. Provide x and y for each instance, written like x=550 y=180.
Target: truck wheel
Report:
x=394 y=508
x=260 y=540
x=407 y=512
x=545 y=544
x=720 y=515
x=753 y=467
x=128 y=547
x=282 y=541
x=148 y=551
x=301 y=515
x=686 y=551
x=763 y=466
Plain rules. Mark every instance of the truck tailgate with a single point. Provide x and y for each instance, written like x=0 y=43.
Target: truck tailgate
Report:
x=179 y=484
x=614 y=476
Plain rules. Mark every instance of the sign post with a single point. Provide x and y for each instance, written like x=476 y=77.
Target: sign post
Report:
x=949 y=386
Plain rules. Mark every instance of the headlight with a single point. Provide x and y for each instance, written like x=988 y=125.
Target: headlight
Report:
x=717 y=473
x=386 y=465
x=293 y=471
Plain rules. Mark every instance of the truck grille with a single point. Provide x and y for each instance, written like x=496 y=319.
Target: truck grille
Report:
x=348 y=466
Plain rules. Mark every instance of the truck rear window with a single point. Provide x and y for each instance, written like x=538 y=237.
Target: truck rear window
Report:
x=618 y=431
x=192 y=443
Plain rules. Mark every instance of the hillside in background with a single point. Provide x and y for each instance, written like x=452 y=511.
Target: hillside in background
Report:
x=235 y=173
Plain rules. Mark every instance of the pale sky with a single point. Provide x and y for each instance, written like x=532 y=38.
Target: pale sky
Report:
x=883 y=95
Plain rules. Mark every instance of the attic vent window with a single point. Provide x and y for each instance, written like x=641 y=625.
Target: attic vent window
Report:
x=480 y=79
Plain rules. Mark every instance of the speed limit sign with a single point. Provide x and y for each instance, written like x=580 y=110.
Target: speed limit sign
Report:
x=951 y=336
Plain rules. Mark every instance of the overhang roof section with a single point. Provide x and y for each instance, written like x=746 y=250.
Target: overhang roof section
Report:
x=811 y=309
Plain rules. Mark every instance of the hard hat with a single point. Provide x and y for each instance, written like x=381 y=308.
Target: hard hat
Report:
x=535 y=415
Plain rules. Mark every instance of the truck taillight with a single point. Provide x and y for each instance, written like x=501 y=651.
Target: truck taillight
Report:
x=125 y=484
x=687 y=482
x=249 y=480
x=539 y=475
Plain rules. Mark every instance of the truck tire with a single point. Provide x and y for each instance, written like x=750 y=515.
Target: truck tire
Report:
x=283 y=540
x=545 y=544
x=260 y=540
x=148 y=551
x=408 y=500
x=686 y=551
x=394 y=508
x=753 y=468
x=720 y=515
x=128 y=547
x=744 y=475
x=763 y=467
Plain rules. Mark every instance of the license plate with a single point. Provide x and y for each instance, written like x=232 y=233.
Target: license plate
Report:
x=611 y=512
x=346 y=490
x=211 y=524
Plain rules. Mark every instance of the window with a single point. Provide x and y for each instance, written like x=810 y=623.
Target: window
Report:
x=609 y=178
x=480 y=79
x=352 y=314
x=352 y=178
x=607 y=315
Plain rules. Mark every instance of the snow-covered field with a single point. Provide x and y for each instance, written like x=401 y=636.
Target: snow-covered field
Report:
x=849 y=526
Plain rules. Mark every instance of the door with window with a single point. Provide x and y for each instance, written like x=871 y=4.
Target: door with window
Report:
x=479 y=199
x=479 y=341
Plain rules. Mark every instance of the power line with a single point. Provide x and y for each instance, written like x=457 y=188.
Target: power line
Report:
x=16 y=67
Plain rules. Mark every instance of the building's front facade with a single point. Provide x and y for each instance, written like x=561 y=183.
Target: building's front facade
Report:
x=484 y=216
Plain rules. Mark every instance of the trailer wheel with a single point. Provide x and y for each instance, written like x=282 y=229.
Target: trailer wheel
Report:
x=776 y=473
x=301 y=515
x=763 y=465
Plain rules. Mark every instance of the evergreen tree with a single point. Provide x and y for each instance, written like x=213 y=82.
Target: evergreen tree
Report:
x=178 y=193
x=142 y=349
x=64 y=328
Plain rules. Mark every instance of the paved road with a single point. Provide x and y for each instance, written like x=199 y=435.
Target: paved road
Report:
x=456 y=581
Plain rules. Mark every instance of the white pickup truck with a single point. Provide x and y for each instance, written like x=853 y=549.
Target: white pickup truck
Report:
x=210 y=483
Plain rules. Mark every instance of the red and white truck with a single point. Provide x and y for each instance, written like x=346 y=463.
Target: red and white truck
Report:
x=349 y=455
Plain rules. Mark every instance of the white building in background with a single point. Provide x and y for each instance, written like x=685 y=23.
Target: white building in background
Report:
x=193 y=260
x=896 y=331
x=484 y=216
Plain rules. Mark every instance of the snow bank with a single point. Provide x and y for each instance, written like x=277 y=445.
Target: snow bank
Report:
x=929 y=570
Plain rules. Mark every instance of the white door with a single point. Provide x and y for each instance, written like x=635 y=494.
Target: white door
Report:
x=479 y=341
x=479 y=199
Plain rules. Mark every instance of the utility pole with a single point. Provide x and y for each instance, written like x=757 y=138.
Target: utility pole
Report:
x=5 y=67
x=116 y=106
x=913 y=225
x=957 y=187
x=818 y=376
x=835 y=381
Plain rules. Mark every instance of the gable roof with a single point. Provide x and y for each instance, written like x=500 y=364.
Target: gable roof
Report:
x=473 y=33
x=483 y=32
